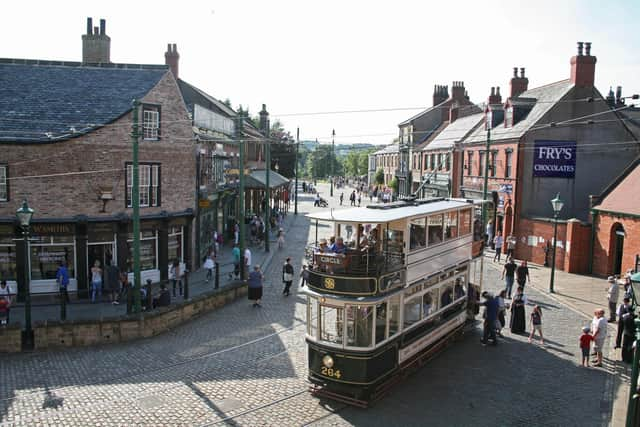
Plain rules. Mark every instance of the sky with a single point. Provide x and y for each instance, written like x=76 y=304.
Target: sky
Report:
x=330 y=56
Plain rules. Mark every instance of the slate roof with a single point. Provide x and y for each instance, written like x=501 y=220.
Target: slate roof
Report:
x=391 y=148
x=619 y=196
x=546 y=97
x=258 y=179
x=41 y=98
x=455 y=132
x=422 y=113
x=192 y=95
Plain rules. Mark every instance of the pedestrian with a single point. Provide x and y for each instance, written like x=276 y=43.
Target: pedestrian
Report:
x=235 y=253
x=5 y=293
x=536 y=323
x=599 y=332
x=612 y=297
x=124 y=285
x=359 y=198
x=629 y=335
x=352 y=198
x=209 y=264
x=96 y=282
x=518 y=323
x=341 y=198
x=163 y=299
x=216 y=245
x=304 y=276
x=62 y=279
x=522 y=274
x=502 y=309
x=280 y=238
x=490 y=318
x=316 y=201
x=489 y=230
x=497 y=242
x=112 y=281
x=255 y=286
x=624 y=308
x=508 y=274
x=511 y=245
x=247 y=261
x=585 y=345
x=287 y=276
x=175 y=276
x=236 y=232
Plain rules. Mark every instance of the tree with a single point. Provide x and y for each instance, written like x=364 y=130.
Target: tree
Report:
x=379 y=178
x=394 y=185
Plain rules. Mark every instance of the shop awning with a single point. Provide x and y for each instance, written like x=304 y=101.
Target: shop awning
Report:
x=258 y=180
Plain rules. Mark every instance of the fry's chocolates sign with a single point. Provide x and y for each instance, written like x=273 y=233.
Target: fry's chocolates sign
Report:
x=554 y=159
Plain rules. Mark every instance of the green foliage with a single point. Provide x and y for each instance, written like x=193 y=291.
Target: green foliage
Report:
x=318 y=164
x=356 y=162
x=394 y=185
x=379 y=178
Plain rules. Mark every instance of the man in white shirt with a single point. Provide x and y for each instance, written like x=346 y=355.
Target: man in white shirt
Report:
x=599 y=332
x=247 y=262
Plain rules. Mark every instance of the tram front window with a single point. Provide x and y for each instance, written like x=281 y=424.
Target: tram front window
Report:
x=331 y=322
x=359 y=325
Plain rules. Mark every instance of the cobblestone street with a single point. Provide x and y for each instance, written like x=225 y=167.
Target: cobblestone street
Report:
x=246 y=366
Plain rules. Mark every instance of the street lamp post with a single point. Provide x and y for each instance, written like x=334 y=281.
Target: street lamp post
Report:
x=557 y=207
x=296 y=189
x=24 y=215
x=333 y=155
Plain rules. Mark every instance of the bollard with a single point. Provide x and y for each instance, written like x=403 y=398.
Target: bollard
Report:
x=63 y=304
x=186 y=284
x=217 y=279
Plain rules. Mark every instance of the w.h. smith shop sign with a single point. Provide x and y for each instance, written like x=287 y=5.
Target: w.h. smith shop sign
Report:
x=555 y=159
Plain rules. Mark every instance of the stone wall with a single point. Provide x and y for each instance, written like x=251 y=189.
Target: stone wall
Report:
x=57 y=334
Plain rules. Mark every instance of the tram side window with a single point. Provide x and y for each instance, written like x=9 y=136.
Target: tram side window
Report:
x=434 y=229
x=465 y=222
x=459 y=289
x=381 y=322
x=331 y=323
x=359 y=325
x=412 y=311
x=312 y=317
x=451 y=225
x=394 y=315
x=446 y=297
x=429 y=303
x=417 y=238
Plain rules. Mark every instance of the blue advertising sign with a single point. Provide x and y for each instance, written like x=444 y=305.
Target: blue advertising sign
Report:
x=554 y=159
x=506 y=188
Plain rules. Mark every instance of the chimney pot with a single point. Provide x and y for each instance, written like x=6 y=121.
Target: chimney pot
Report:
x=580 y=48
x=175 y=48
x=96 y=31
x=493 y=91
x=515 y=72
x=103 y=26
x=497 y=90
x=89 y=25
x=587 y=48
x=522 y=72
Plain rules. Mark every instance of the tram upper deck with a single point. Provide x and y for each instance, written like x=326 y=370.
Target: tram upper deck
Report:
x=381 y=247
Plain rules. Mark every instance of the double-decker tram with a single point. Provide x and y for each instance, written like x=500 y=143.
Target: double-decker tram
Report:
x=393 y=284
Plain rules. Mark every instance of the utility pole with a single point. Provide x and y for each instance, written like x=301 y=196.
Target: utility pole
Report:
x=135 y=202
x=295 y=209
x=267 y=213
x=241 y=242
x=486 y=178
x=333 y=155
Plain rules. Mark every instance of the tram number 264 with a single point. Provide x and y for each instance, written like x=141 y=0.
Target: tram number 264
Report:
x=330 y=372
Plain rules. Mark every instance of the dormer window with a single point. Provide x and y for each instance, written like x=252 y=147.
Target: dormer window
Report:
x=508 y=117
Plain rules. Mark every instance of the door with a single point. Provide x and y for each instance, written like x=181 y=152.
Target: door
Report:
x=617 y=256
x=101 y=252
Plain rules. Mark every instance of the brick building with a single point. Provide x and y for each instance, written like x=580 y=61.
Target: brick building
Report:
x=66 y=136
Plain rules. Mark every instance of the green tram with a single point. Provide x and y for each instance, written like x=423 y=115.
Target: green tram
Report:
x=398 y=284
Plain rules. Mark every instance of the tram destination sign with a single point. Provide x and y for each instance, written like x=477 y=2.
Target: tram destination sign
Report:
x=554 y=159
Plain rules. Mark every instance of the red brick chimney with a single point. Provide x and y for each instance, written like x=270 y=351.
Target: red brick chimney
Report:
x=171 y=58
x=583 y=67
x=495 y=97
x=457 y=91
x=518 y=84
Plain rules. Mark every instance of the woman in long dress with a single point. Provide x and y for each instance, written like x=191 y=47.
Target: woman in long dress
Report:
x=518 y=322
x=255 y=286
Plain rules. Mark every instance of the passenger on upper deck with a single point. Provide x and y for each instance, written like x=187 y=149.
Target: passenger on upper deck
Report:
x=323 y=246
x=339 y=247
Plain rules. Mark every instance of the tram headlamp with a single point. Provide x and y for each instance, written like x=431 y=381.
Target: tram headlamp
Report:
x=327 y=361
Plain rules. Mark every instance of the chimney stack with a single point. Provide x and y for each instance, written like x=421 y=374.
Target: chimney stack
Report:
x=172 y=59
x=495 y=97
x=96 y=44
x=454 y=110
x=264 y=120
x=583 y=67
x=440 y=94
x=518 y=84
x=457 y=91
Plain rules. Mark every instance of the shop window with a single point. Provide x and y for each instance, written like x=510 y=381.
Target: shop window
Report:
x=150 y=122
x=176 y=244
x=451 y=225
x=148 y=251
x=149 y=184
x=434 y=229
x=47 y=254
x=359 y=325
x=465 y=222
x=417 y=235
x=4 y=184
x=8 y=262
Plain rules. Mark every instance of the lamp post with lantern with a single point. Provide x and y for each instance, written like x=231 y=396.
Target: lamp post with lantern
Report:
x=557 y=205
x=24 y=215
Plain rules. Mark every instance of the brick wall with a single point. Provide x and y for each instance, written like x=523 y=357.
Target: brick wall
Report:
x=105 y=150
x=542 y=232
x=602 y=251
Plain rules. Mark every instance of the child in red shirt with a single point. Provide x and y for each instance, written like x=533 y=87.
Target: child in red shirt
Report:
x=585 y=345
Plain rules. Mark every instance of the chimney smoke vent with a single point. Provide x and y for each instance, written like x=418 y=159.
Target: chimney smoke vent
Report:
x=587 y=48
x=580 y=48
x=515 y=72
x=89 y=25
x=522 y=73
x=103 y=27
